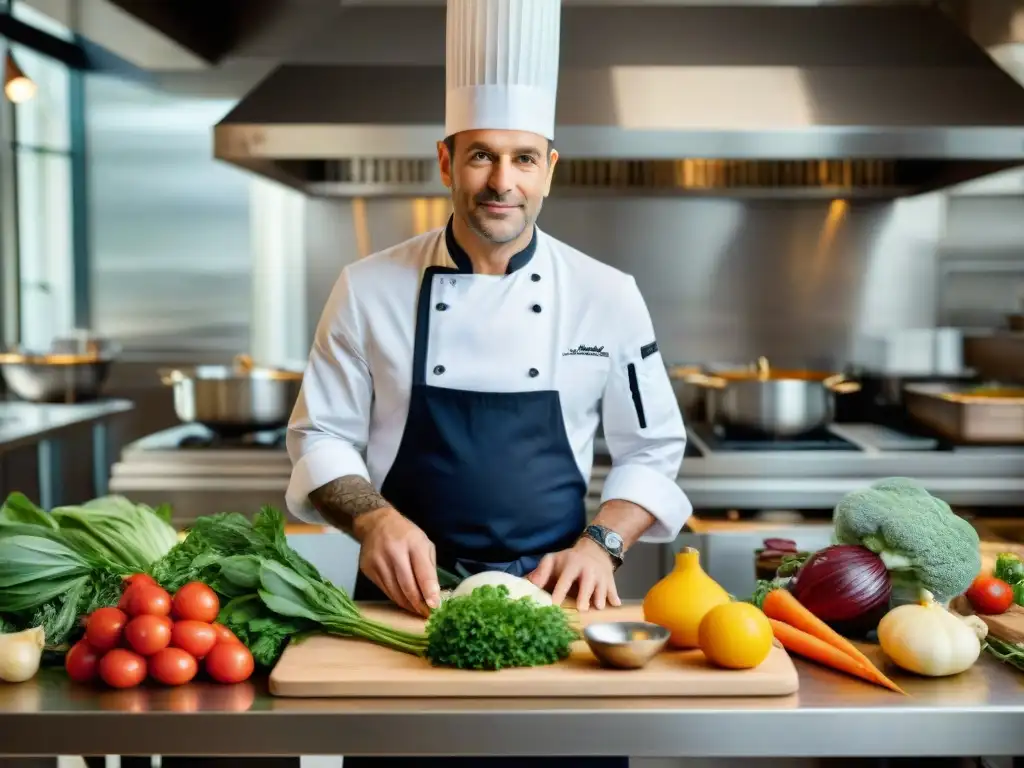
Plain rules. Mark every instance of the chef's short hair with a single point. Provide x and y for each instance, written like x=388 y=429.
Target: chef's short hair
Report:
x=449 y=141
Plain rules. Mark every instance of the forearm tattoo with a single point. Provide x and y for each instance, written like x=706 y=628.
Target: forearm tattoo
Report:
x=344 y=500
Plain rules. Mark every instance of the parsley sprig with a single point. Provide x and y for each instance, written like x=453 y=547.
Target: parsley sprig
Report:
x=487 y=630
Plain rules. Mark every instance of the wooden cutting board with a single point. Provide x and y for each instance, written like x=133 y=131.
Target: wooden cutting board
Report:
x=1007 y=626
x=322 y=666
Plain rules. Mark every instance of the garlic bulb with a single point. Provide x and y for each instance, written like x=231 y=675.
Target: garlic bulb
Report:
x=927 y=639
x=20 y=654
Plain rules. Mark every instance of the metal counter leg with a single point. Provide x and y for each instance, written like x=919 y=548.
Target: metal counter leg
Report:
x=100 y=464
x=48 y=456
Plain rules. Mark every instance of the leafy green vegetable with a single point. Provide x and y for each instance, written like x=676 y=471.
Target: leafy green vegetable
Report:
x=132 y=535
x=213 y=539
x=248 y=562
x=1010 y=653
x=264 y=632
x=1009 y=568
x=922 y=542
x=45 y=582
x=784 y=574
x=487 y=630
x=17 y=510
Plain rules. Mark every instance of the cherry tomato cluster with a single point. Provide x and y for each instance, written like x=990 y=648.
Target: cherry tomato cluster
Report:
x=150 y=633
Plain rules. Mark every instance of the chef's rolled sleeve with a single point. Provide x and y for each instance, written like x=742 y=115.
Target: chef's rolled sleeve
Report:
x=329 y=426
x=643 y=425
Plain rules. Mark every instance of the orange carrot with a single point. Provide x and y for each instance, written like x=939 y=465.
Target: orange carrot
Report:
x=779 y=604
x=808 y=646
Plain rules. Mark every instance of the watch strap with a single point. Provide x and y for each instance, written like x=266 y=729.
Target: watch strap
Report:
x=608 y=540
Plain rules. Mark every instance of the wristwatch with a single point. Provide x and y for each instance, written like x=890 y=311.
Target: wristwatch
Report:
x=608 y=540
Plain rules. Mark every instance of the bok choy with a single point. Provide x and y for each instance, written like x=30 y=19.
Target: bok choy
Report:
x=56 y=567
x=132 y=535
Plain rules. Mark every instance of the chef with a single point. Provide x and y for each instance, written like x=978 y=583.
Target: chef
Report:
x=457 y=381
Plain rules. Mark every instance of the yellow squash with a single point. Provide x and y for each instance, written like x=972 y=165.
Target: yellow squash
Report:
x=681 y=600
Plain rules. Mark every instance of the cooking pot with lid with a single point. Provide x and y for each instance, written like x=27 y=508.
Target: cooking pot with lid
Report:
x=234 y=399
x=773 y=402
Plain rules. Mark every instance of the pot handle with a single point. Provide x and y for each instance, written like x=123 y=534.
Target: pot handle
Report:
x=702 y=380
x=839 y=385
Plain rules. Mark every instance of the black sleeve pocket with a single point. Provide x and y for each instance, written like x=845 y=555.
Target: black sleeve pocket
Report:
x=634 y=390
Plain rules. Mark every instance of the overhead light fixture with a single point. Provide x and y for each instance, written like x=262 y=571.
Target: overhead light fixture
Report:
x=18 y=87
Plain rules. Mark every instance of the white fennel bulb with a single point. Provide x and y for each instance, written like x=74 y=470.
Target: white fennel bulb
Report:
x=518 y=587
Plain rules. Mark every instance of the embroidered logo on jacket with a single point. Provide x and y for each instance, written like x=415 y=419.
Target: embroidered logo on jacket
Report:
x=583 y=349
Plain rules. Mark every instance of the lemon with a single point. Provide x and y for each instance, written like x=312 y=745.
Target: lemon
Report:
x=735 y=636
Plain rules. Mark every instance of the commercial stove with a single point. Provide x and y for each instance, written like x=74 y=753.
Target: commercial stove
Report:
x=199 y=473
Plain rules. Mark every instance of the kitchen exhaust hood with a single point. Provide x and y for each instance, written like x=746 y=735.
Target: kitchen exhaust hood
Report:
x=832 y=100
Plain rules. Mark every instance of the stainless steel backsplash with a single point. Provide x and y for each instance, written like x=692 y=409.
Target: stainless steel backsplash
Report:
x=725 y=280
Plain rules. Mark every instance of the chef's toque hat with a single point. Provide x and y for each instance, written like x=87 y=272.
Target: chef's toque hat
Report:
x=502 y=65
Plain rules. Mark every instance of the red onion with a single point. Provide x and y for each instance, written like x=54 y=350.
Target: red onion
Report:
x=780 y=545
x=844 y=585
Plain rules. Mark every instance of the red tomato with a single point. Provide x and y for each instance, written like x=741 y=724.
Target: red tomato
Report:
x=82 y=662
x=103 y=628
x=990 y=595
x=196 y=602
x=121 y=668
x=147 y=600
x=229 y=663
x=173 y=666
x=225 y=635
x=196 y=637
x=140 y=578
x=148 y=634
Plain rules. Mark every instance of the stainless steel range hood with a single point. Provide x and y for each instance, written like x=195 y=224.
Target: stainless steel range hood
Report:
x=853 y=100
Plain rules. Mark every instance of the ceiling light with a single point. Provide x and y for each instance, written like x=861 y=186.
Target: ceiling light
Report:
x=17 y=85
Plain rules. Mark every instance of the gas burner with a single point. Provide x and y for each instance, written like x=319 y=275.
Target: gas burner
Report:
x=273 y=439
x=719 y=438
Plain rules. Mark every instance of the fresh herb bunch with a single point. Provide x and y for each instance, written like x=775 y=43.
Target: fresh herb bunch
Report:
x=487 y=630
x=273 y=593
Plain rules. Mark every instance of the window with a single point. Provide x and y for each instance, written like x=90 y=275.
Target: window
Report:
x=40 y=152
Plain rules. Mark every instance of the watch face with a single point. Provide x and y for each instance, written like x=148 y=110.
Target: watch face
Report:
x=613 y=540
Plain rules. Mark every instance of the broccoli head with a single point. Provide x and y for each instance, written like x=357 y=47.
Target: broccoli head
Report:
x=919 y=538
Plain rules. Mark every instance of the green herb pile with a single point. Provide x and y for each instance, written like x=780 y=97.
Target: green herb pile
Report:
x=273 y=595
x=272 y=592
x=487 y=630
x=58 y=566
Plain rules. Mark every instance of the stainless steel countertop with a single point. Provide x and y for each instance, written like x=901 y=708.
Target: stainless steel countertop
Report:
x=23 y=423
x=977 y=713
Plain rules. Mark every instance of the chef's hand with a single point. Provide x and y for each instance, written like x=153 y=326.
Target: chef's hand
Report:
x=397 y=556
x=584 y=565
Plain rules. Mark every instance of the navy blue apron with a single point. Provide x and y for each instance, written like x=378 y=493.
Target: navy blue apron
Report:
x=491 y=479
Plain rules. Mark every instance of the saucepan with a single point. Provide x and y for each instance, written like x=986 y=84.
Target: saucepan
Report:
x=689 y=395
x=773 y=402
x=73 y=370
x=234 y=399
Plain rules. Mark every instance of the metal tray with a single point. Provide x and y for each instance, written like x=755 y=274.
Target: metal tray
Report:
x=968 y=414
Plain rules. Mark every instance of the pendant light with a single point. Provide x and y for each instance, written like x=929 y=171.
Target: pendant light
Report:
x=18 y=87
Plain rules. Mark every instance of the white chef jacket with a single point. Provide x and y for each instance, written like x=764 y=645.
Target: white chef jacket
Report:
x=561 y=321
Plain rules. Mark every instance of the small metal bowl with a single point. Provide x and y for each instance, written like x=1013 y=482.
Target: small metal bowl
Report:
x=626 y=644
